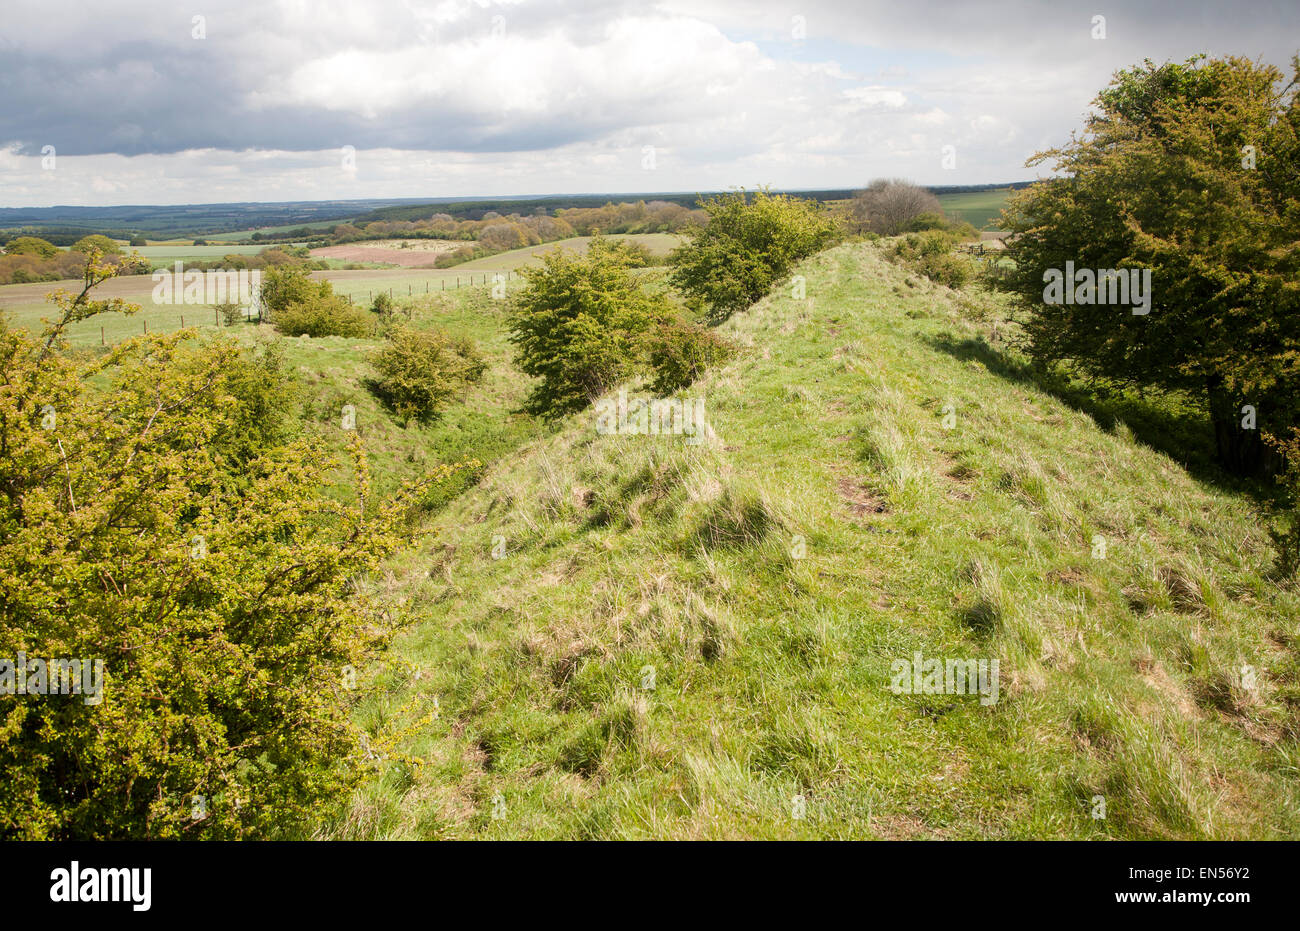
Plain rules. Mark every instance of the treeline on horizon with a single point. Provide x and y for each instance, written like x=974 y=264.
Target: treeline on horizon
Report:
x=314 y=219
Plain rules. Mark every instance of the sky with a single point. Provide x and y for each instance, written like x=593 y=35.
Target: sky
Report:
x=276 y=100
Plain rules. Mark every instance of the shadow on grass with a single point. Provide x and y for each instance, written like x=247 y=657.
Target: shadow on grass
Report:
x=1167 y=425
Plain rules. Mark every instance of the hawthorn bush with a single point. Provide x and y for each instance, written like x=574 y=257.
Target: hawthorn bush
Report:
x=141 y=526
x=418 y=372
x=679 y=353
x=324 y=315
x=748 y=245
x=1187 y=171
x=580 y=325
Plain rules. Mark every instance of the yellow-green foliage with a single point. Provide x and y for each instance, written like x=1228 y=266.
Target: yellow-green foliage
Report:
x=213 y=581
x=930 y=253
x=580 y=325
x=1185 y=175
x=418 y=372
x=748 y=245
x=324 y=315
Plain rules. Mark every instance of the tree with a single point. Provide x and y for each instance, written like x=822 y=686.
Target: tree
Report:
x=889 y=206
x=97 y=241
x=580 y=324
x=31 y=245
x=1187 y=174
x=747 y=246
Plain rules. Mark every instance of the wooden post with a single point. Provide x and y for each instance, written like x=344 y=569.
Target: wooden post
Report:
x=182 y=321
x=101 y=336
x=216 y=317
x=146 y=326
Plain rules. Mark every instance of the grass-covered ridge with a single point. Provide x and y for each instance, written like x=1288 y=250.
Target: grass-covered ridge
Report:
x=764 y=581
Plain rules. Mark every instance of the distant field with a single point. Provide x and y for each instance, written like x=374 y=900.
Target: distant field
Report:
x=657 y=243
x=24 y=304
x=979 y=208
x=418 y=253
x=165 y=255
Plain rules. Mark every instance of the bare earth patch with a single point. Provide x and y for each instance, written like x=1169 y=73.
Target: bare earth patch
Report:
x=421 y=254
x=861 y=499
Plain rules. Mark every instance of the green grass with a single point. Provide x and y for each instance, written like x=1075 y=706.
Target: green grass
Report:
x=979 y=208
x=659 y=244
x=764 y=581
x=165 y=256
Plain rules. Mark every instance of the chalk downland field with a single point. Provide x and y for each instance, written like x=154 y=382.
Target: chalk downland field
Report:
x=417 y=253
x=633 y=637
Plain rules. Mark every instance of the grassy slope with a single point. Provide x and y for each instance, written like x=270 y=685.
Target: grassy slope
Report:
x=524 y=677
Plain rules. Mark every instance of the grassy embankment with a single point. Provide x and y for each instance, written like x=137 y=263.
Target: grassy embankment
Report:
x=678 y=641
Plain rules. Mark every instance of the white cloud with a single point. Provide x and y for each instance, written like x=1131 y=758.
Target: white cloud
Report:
x=464 y=97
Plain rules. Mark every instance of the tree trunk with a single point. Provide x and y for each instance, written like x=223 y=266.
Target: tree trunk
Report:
x=1241 y=448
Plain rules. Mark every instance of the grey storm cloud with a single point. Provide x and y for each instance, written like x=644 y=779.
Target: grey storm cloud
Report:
x=403 y=74
x=139 y=82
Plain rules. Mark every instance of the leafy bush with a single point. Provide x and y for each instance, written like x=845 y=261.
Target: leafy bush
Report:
x=214 y=590
x=326 y=315
x=1285 y=529
x=382 y=305
x=283 y=285
x=231 y=312
x=1185 y=176
x=930 y=253
x=96 y=241
x=580 y=325
x=747 y=246
x=680 y=352
x=420 y=371
x=31 y=245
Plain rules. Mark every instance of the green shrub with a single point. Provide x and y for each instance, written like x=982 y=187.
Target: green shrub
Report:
x=680 y=352
x=328 y=315
x=1155 y=187
x=283 y=285
x=930 y=253
x=230 y=312
x=580 y=326
x=382 y=305
x=96 y=242
x=747 y=246
x=31 y=245
x=217 y=602
x=418 y=372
